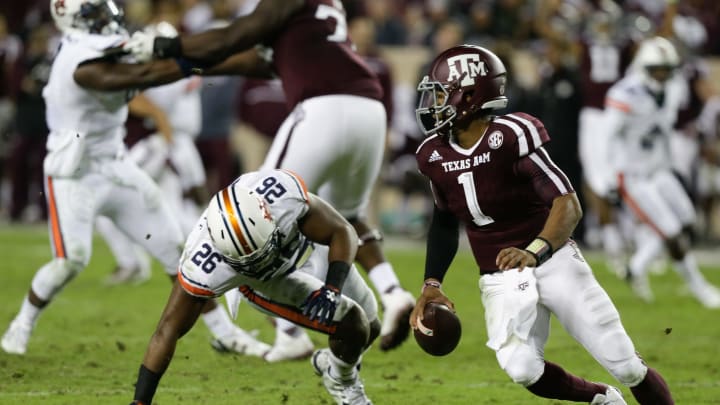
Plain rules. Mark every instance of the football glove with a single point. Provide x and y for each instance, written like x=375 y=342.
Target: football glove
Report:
x=140 y=45
x=321 y=304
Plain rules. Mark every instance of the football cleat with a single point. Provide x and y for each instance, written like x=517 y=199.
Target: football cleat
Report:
x=16 y=338
x=640 y=286
x=288 y=347
x=397 y=306
x=321 y=360
x=708 y=295
x=240 y=342
x=122 y=275
x=612 y=396
x=349 y=392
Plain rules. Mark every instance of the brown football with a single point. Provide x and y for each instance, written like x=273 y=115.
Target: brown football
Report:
x=439 y=331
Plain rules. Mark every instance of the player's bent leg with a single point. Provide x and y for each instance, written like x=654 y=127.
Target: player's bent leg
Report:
x=397 y=303
x=652 y=390
x=291 y=343
x=48 y=281
x=339 y=364
x=525 y=366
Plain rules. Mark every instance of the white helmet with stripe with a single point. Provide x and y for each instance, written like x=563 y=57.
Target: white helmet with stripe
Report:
x=243 y=231
x=102 y=17
x=656 y=59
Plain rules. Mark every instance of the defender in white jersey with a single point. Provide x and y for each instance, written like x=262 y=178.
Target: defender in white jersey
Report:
x=250 y=241
x=640 y=112
x=176 y=167
x=88 y=174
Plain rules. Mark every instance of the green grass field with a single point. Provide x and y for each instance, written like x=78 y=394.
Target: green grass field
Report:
x=89 y=344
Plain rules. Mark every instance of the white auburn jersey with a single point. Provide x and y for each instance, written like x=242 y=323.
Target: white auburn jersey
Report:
x=639 y=127
x=181 y=102
x=202 y=270
x=73 y=111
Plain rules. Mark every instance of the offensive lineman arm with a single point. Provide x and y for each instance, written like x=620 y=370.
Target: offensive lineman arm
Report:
x=442 y=245
x=215 y=45
x=106 y=75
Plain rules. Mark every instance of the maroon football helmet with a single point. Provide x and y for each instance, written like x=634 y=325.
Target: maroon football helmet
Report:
x=463 y=81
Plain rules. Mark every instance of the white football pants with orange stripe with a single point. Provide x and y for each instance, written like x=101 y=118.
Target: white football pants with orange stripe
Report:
x=658 y=200
x=118 y=190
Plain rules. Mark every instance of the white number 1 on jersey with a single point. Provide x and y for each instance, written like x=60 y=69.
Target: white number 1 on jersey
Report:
x=468 y=184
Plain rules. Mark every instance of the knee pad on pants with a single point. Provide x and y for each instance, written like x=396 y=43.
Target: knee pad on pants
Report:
x=630 y=372
x=522 y=363
x=53 y=276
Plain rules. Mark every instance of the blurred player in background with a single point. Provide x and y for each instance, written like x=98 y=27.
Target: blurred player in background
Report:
x=88 y=174
x=605 y=53
x=172 y=161
x=492 y=174
x=253 y=237
x=708 y=177
x=641 y=111
x=334 y=137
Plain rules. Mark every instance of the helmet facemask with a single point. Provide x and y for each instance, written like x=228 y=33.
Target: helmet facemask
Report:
x=433 y=112
x=104 y=18
x=257 y=263
x=464 y=83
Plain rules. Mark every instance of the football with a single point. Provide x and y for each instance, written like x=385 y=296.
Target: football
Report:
x=439 y=331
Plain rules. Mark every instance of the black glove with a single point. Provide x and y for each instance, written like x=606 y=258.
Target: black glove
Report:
x=321 y=304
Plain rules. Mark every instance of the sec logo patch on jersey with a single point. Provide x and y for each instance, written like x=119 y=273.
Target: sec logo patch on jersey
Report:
x=495 y=140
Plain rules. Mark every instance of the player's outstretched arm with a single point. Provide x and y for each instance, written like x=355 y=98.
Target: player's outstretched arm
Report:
x=179 y=316
x=106 y=75
x=218 y=44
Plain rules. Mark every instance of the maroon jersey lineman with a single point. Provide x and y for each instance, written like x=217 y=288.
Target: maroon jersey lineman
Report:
x=317 y=36
x=501 y=188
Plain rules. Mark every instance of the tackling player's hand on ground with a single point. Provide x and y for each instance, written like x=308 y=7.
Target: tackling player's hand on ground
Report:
x=429 y=294
x=511 y=258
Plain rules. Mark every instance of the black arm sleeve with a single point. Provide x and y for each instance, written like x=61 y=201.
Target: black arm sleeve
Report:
x=442 y=244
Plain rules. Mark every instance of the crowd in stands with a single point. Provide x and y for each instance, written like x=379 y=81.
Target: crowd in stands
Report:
x=544 y=42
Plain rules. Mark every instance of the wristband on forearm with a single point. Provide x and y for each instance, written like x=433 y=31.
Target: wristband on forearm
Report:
x=430 y=283
x=188 y=68
x=541 y=250
x=164 y=47
x=337 y=273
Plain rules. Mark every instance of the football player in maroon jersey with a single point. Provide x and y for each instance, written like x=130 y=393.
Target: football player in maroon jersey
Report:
x=493 y=175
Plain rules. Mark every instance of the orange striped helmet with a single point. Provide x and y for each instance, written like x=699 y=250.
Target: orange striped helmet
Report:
x=243 y=231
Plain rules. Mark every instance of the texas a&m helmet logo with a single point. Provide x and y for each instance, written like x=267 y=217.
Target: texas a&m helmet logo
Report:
x=466 y=67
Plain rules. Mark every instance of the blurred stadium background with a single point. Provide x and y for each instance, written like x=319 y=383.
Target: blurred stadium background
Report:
x=545 y=46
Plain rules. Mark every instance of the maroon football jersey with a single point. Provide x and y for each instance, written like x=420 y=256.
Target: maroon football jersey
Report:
x=501 y=188
x=601 y=65
x=313 y=56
